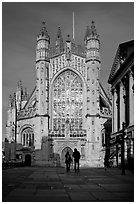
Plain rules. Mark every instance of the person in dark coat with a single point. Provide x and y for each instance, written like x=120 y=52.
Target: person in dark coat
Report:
x=76 y=156
x=68 y=161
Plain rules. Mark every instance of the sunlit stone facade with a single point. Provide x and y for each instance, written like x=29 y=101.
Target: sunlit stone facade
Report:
x=122 y=87
x=68 y=106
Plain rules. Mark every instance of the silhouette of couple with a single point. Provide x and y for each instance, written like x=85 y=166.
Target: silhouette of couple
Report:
x=68 y=160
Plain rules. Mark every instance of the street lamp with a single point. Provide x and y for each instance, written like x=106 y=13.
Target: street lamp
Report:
x=123 y=149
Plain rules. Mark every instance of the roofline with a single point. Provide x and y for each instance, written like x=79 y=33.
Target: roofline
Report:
x=105 y=93
x=120 y=46
x=126 y=43
x=121 y=69
x=30 y=97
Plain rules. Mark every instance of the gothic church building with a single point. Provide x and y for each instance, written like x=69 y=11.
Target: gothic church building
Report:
x=68 y=106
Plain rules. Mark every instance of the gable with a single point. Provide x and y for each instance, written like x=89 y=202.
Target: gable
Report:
x=123 y=52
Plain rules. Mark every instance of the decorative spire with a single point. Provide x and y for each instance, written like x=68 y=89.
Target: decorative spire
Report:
x=10 y=101
x=73 y=27
x=68 y=38
x=59 y=46
x=25 y=95
x=43 y=32
x=91 y=31
x=14 y=96
x=43 y=23
x=26 y=92
x=10 y=97
x=19 y=85
x=87 y=32
x=93 y=23
x=59 y=33
x=14 y=99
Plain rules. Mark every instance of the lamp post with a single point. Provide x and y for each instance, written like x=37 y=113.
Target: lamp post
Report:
x=123 y=149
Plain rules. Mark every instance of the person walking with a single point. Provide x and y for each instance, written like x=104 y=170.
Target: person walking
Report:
x=68 y=161
x=76 y=156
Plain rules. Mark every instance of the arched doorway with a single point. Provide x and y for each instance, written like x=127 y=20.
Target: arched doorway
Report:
x=28 y=160
x=63 y=154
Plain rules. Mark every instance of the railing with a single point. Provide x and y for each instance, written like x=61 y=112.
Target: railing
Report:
x=106 y=111
x=9 y=165
x=78 y=133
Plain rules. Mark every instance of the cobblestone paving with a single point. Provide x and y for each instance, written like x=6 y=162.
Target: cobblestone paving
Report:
x=35 y=184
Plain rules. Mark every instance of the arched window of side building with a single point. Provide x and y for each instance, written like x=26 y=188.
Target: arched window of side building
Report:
x=27 y=136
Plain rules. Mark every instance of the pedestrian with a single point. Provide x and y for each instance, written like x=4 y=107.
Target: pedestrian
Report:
x=68 y=161
x=76 y=156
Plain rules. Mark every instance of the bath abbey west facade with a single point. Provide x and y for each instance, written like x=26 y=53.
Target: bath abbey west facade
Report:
x=68 y=106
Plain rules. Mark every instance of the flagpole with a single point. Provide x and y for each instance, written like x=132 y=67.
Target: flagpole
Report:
x=73 y=28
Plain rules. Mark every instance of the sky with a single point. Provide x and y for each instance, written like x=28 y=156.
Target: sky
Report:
x=21 y=22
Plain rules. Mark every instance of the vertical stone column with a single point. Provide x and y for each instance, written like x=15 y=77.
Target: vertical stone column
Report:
x=131 y=99
x=132 y=147
x=115 y=111
x=125 y=149
x=122 y=105
x=112 y=110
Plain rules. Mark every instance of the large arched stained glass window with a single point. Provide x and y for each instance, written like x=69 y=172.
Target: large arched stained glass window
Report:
x=67 y=102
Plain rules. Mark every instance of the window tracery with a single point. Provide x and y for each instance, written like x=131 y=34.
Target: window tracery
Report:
x=67 y=102
x=28 y=137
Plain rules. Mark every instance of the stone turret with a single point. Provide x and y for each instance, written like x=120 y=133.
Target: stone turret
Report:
x=42 y=81
x=43 y=41
x=92 y=43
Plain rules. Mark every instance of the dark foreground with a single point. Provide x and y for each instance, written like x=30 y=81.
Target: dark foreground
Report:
x=35 y=184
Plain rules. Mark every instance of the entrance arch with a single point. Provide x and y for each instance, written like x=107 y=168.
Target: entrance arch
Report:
x=63 y=154
x=28 y=160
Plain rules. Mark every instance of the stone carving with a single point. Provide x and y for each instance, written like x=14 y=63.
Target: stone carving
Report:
x=106 y=111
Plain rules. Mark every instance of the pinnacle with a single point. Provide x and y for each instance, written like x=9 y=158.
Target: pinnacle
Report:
x=43 y=31
x=59 y=33
x=43 y=23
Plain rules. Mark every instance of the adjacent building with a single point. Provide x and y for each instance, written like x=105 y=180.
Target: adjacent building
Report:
x=68 y=106
x=122 y=87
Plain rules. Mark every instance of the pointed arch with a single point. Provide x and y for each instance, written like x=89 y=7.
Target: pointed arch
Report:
x=72 y=88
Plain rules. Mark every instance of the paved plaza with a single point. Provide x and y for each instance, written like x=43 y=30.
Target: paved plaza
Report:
x=35 y=184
